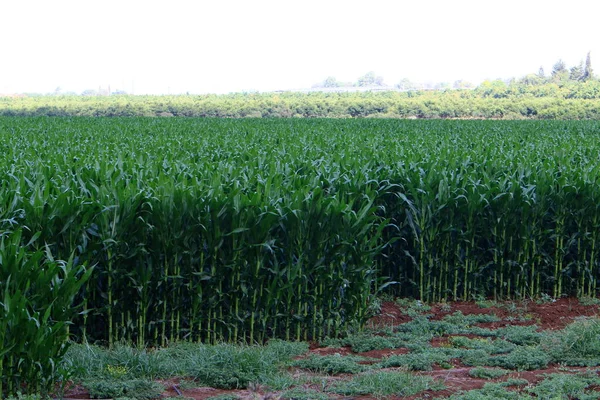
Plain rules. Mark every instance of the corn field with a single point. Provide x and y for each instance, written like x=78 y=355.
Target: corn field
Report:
x=242 y=230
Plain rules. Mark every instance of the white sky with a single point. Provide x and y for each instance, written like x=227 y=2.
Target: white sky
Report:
x=220 y=46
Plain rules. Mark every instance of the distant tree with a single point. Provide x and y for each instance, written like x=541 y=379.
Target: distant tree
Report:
x=330 y=82
x=531 y=79
x=370 y=79
x=560 y=73
x=559 y=67
x=588 y=73
x=406 y=84
x=576 y=72
x=89 y=92
x=541 y=73
x=462 y=84
x=496 y=88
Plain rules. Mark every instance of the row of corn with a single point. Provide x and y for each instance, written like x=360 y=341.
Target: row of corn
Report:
x=242 y=230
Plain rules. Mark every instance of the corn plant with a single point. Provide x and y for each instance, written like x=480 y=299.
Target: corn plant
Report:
x=243 y=230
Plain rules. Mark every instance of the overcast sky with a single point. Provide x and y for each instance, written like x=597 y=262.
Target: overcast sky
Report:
x=221 y=46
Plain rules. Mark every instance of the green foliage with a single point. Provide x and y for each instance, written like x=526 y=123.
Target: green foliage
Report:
x=497 y=346
x=567 y=386
x=133 y=389
x=577 y=344
x=490 y=391
x=520 y=335
x=20 y=396
x=475 y=358
x=36 y=307
x=566 y=95
x=234 y=367
x=381 y=384
x=244 y=230
x=466 y=320
x=221 y=366
x=589 y=301
x=522 y=358
x=486 y=303
x=422 y=361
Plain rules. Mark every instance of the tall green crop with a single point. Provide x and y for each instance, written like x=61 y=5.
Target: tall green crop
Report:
x=242 y=230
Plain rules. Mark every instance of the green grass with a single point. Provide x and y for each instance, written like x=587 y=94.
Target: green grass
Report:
x=381 y=384
x=133 y=389
x=221 y=366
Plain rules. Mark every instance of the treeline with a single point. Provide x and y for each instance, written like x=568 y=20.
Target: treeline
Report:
x=526 y=98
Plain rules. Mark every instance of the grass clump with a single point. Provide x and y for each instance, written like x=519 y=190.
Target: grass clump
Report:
x=491 y=346
x=559 y=386
x=416 y=361
x=520 y=335
x=577 y=344
x=487 y=373
x=490 y=391
x=384 y=383
x=589 y=301
x=332 y=365
x=523 y=358
x=475 y=358
x=120 y=362
x=133 y=389
x=459 y=319
x=227 y=366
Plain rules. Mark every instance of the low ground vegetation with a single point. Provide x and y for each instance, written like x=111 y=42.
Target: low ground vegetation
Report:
x=435 y=354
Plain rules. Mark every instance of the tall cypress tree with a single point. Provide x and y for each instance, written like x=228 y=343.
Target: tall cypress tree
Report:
x=588 y=73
